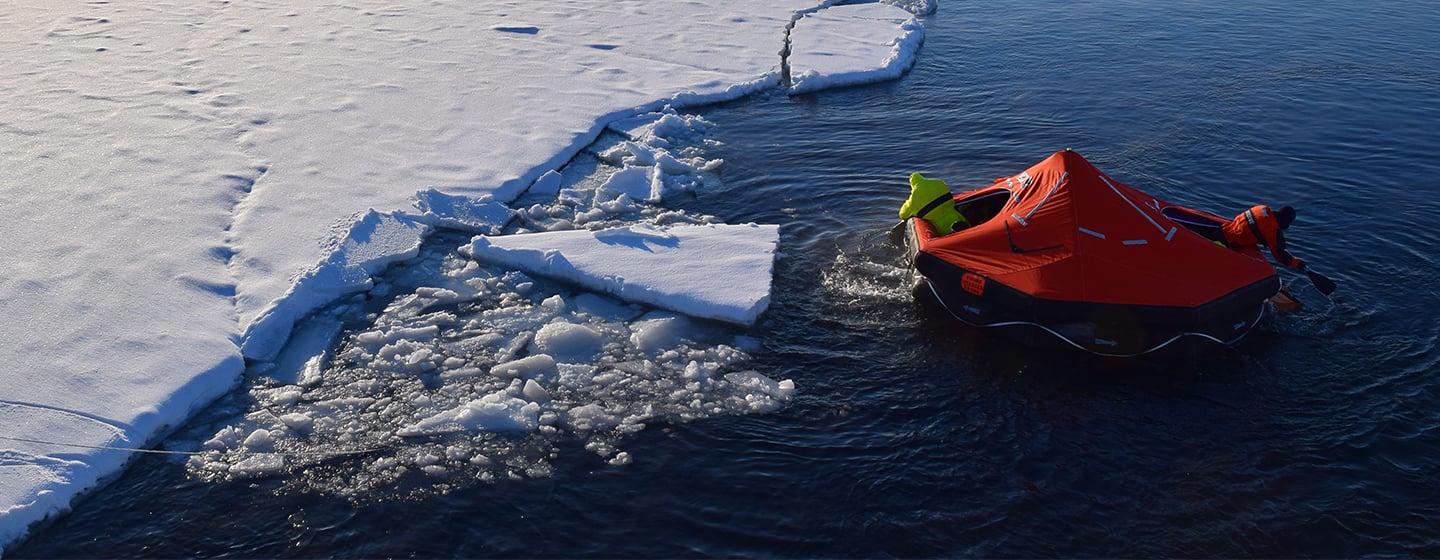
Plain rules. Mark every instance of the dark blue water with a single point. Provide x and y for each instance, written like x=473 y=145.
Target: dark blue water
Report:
x=912 y=437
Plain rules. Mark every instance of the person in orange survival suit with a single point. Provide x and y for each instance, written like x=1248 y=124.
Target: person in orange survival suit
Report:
x=1261 y=226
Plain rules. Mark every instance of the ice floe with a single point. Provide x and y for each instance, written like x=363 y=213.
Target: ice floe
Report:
x=673 y=268
x=184 y=185
x=852 y=44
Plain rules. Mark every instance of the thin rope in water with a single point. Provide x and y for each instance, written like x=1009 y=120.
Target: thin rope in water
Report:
x=190 y=453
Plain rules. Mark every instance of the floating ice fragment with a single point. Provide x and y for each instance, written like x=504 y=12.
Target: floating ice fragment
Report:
x=568 y=341
x=554 y=304
x=591 y=417
x=256 y=465
x=527 y=367
x=675 y=272
x=917 y=7
x=673 y=126
x=852 y=44
x=482 y=214
x=534 y=392
x=259 y=440
x=604 y=308
x=547 y=185
x=298 y=422
x=495 y=412
x=658 y=332
x=757 y=383
x=638 y=183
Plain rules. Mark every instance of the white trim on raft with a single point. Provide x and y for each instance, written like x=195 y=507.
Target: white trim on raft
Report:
x=1137 y=208
x=1042 y=202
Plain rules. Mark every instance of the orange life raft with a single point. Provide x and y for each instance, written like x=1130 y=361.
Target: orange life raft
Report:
x=1065 y=250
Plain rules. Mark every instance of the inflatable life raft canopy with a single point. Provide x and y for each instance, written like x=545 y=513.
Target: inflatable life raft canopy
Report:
x=1062 y=242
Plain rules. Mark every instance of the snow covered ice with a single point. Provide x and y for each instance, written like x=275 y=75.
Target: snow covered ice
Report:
x=639 y=263
x=855 y=44
x=188 y=186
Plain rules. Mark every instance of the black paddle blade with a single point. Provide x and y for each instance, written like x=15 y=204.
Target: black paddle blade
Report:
x=1325 y=285
x=897 y=234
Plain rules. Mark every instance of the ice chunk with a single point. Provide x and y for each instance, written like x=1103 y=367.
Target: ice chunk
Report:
x=852 y=44
x=259 y=464
x=638 y=183
x=604 y=308
x=496 y=412
x=658 y=332
x=259 y=440
x=482 y=214
x=547 y=185
x=569 y=342
x=527 y=367
x=535 y=392
x=591 y=417
x=673 y=268
x=917 y=7
x=298 y=422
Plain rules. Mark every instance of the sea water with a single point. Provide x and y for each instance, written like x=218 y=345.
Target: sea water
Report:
x=909 y=435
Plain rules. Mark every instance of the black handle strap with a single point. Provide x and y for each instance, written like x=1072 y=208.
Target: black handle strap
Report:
x=935 y=204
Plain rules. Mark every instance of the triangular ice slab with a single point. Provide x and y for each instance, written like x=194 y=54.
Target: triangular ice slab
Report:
x=716 y=271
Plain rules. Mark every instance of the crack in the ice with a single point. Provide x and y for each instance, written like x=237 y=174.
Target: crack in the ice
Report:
x=786 y=50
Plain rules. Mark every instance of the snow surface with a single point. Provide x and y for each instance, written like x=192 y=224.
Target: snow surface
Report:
x=185 y=183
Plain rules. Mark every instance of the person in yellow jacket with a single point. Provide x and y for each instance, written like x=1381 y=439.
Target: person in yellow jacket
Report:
x=931 y=199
